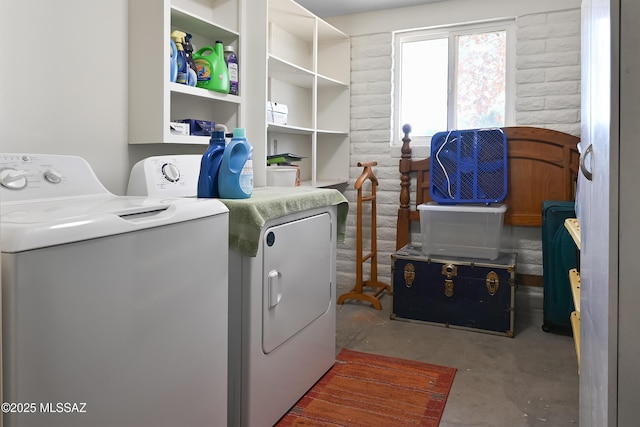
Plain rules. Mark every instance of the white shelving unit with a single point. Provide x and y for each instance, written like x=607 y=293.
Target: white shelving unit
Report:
x=287 y=55
x=309 y=71
x=154 y=101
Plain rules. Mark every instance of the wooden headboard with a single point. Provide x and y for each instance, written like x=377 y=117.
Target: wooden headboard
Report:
x=542 y=165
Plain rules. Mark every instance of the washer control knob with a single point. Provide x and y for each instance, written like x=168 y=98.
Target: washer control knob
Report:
x=13 y=179
x=52 y=176
x=170 y=172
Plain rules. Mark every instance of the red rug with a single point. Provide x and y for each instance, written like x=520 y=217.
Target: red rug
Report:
x=369 y=390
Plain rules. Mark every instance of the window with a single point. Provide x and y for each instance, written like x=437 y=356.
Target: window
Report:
x=453 y=78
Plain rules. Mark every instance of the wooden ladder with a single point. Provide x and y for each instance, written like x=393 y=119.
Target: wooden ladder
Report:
x=357 y=292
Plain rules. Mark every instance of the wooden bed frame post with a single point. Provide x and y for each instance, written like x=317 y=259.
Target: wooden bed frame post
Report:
x=358 y=291
x=403 y=228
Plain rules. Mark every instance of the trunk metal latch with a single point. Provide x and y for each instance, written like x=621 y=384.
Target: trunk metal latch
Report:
x=449 y=271
x=493 y=281
x=409 y=274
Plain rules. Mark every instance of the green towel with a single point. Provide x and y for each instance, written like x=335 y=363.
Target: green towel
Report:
x=247 y=217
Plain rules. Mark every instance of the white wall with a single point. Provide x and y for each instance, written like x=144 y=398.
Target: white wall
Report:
x=63 y=90
x=63 y=84
x=444 y=13
x=547 y=95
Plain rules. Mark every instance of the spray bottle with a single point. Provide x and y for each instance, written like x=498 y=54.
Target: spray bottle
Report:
x=178 y=38
x=192 y=78
x=235 y=180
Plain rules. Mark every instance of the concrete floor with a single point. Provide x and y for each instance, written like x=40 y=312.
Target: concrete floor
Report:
x=528 y=380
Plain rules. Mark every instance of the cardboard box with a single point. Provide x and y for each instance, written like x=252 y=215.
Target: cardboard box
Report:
x=179 y=128
x=277 y=113
x=269 y=112
x=199 y=127
x=280 y=113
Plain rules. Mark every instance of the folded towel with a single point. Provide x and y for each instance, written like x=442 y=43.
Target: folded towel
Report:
x=247 y=217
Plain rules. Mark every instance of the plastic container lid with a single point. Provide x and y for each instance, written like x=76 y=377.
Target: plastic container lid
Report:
x=432 y=206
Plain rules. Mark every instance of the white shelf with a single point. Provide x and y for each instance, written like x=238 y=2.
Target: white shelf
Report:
x=204 y=93
x=272 y=127
x=324 y=183
x=309 y=71
x=290 y=73
x=332 y=132
x=190 y=22
x=324 y=81
x=191 y=139
x=333 y=50
x=155 y=101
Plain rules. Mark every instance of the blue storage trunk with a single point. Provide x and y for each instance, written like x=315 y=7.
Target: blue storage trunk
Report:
x=469 y=166
x=465 y=293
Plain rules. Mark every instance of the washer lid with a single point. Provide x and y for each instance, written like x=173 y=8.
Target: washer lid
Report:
x=48 y=223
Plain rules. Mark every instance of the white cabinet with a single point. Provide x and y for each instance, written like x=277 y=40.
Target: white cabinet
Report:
x=309 y=71
x=154 y=101
x=608 y=208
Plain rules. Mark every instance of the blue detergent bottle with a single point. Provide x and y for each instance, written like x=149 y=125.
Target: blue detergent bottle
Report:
x=235 y=180
x=181 y=60
x=173 y=62
x=210 y=166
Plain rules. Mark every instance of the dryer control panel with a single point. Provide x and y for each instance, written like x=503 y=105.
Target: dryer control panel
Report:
x=25 y=177
x=165 y=176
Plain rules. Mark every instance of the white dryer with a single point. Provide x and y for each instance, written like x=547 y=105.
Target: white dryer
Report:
x=282 y=327
x=282 y=320
x=114 y=309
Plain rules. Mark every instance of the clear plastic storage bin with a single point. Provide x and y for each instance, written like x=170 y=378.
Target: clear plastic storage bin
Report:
x=283 y=176
x=473 y=231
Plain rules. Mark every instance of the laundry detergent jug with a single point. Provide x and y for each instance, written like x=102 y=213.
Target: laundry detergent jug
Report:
x=235 y=179
x=210 y=166
x=212 y=68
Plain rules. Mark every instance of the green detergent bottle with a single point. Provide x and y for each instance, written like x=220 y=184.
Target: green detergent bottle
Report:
x=212 y=68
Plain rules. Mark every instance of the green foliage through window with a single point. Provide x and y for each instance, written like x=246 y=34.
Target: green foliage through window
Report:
x=452 y=78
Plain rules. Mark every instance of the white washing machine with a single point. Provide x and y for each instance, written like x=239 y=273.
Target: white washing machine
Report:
x=282 y=320
x=114 y=309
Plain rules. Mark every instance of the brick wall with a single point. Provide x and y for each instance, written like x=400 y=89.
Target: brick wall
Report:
x=547 y=95
x=548 y=71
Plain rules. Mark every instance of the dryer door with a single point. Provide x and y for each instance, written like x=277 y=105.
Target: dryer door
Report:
x=296 y=277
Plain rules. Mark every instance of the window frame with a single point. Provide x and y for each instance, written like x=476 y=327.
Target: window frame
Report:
x=451 y=32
